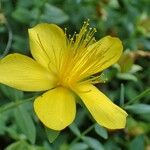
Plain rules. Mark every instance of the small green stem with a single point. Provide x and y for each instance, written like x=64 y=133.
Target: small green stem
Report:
x=122 y=93
x=139 y=97
x=14 y=104
x=83 y=134
x=10 y=36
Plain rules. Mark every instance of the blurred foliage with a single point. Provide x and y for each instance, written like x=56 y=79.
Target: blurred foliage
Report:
x=128 y=81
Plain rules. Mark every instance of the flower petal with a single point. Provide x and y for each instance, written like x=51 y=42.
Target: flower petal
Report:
x=23 y=73
x=47 y=42
x=110 y=49
x=56 y=108
x=102 y=109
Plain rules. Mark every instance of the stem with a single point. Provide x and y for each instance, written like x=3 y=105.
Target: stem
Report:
x=10 y=35
x=138 y=97
x=14 y=104
x=122 y=93
x=83 y=134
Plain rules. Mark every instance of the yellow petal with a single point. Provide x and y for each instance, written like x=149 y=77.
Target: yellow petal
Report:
x=109 y=49
x=47 y=43
x=102 y=109
x=56 y=108
x=23 y=73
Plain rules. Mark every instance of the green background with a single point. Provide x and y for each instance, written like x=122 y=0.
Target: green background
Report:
x=127 y=82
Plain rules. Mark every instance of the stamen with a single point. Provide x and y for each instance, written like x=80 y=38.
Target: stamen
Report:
x=83 y=60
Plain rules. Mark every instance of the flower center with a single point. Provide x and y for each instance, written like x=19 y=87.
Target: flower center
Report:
x=82 y=58
x=74 y=61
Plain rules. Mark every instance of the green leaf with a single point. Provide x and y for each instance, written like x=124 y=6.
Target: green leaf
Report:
x=21 y=145
x=127 y=76
x=135 y=68
x=111 y=145
x=11 y=105
x=139 y=108
x=25 y=123
x=101 y=131
x=22 y=15
x=36 y=148
x=11 y=93
x=79 y=146
x=93 y=143
x=126 y=61
x=137 y=143
x=2 y=124
x=141 y=95
x=54 y=14
x=51 y=134
x=73 y=127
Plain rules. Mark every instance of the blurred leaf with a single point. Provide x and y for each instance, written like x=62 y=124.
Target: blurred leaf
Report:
x=54 y=14
x=126 y=61
x=20 y=44
x=137 y=143
x=111 y=145
x=127 y=76
x=36 y=148
x=25 y=123
x=141 y=95
x=79 y=146
x=136 y=127
x=138 y=108
x=11 y=93
x=51 y=134
x=2 y=124
x=101 y=131
x=25 y=4
x=21 y=145
x=145 y=117
x=135 y=68
x=93 y=143
x=73 y=127
x=11 y=105
x=22 y=15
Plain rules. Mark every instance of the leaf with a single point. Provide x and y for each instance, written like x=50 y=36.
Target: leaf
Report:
x=11 y=93
x=21 y=145
x=127 y=76
x=143 y=94
x=137 y=143
x=111 y=145
x=145 y=117
x=126 y=61
x=101 y=131
x=36 y=148
x=11 y=105
x=79 y=146
x=73 y=127
x=93 y=143
x=135 y=68
x=19 y=12
x=51 y=134
x=138 y=108
x=25 y=123
x=54 y=14
x=2 y=124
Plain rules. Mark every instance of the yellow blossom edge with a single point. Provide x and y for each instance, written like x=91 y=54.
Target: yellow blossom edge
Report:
x=56 y=108
x=103 y=110
x=23 y=73
x=47 y=43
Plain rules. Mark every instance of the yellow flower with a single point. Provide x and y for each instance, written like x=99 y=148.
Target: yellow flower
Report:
x=65 y=68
